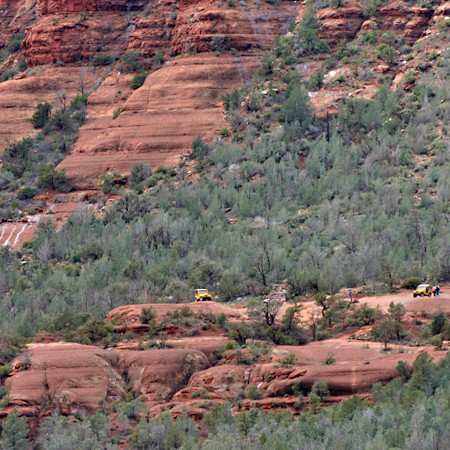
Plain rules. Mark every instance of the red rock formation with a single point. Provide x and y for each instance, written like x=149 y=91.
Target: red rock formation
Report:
x=129 y=314
x=155 y=375
x=159 y=121
x=221 y=382
x=75 y=6
x=75 y=376
x=19 y=98
x=207 y=29
x=72 y=39
x=208 y=345
x=340 y=23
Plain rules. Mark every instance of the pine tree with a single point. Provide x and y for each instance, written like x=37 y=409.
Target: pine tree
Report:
x=15 y=432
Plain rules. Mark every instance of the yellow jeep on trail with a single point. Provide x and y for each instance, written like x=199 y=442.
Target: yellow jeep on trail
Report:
x=202 y=295
x=423 y=289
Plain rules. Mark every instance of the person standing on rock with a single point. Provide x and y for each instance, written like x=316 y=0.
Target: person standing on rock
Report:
x=350 y=294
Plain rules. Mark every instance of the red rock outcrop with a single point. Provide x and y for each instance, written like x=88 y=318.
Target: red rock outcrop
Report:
x=76 y=6
x=222 y=382
x=78 y=377
x=15 y=15
x=340 y=23
x=205 y=28
x=129 y=314
x=19 y=98
x=155 y=375
x=401 y=19
x=208 y=345
x=159 y=121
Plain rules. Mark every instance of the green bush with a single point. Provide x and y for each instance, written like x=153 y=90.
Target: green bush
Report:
x=148 y=315
x=26 y=193
x=297 y=107
x=411 y=282
x=5 y=371
x=438 y=323
x=50 y=178
x=42 y=115
x=116 y=113
x=139 y=173
x=288 y=360
x=130 y=62
x=138 y=80
x=102 y=59
x=158 y=59
x=79 y=101
x=15 y=42
x=253 y=393
x=386 y=52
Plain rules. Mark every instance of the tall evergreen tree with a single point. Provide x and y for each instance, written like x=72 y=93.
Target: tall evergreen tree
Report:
x=15 y=432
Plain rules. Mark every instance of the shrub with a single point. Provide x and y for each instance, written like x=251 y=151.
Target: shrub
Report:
x=41 y=116
x=147 y=316
x=79 y=101
x=138 y=80
x=411 y=282
x=199 y=148
x=371 y=8
x=307 y=33
x=329 y=360
x=316 y=81
x=386 y=53
x=158 y=59
x=15 y=42
x=220 y=319
x=50 y=178
x=253 y=393
x=139 y=173
x=288 y=360
x=297 y=107
x=116 y=113
x=26 y=193
x=201 y=393
x=5 y=371
x=130 y=62
x=107 y=183
x=438 y=323
x=410 y=76
x=102 y=59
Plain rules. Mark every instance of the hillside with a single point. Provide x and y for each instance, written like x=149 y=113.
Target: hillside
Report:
x=247 y=148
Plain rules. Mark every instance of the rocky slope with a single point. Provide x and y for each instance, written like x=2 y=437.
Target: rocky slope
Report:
x=189 y=373
x=208 y=49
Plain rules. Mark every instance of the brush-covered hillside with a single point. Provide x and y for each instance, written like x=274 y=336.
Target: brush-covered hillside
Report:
x=280 y=156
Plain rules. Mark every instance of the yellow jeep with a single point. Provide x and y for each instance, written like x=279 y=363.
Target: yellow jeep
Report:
x=202 y=295
x=423 y=289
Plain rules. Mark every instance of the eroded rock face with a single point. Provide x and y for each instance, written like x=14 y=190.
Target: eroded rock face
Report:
x=155 y=375
x=19 y=98
x=81 y=377
x=78 y=377
x=207 y=28
x=75 y=6
x=157 y=122
x=222 y=382
x=69 y=39
x=340 y=23
x=210 y=346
